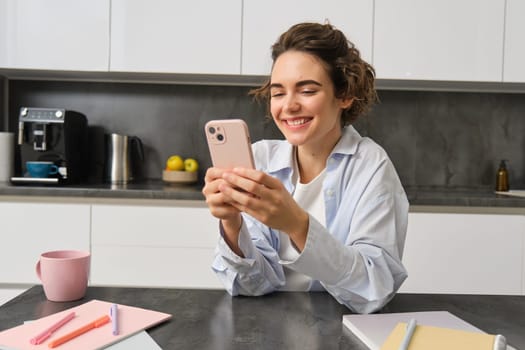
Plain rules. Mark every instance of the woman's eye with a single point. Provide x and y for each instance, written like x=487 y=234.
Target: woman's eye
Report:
x=308 y=92
x=276 y=94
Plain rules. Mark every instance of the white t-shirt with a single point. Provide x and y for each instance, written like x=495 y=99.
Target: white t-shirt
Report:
x=309 y=197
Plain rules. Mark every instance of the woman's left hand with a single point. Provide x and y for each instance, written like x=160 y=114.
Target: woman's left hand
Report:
x=266 y=199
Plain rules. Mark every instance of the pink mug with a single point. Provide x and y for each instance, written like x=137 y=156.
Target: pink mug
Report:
x=64 y=274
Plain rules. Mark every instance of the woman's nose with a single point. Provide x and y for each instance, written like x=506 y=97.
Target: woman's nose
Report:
x=291 y=103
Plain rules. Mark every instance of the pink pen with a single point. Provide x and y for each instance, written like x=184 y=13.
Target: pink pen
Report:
x=38 y=339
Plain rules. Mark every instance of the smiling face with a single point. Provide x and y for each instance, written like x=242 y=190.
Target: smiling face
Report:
x=303 y=103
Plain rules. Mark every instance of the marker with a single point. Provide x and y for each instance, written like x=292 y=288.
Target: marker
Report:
x=92 y=325
x=411 y=327
x=39 y=338
x=113 y=312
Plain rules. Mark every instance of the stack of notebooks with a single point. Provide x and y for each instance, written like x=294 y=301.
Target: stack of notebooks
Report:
x=132 y=322
x=435 y=330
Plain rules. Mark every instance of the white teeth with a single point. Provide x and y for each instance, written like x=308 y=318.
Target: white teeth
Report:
x=296 y=121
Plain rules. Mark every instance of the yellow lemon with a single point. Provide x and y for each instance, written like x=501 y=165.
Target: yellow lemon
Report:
x=191 y=165
x=175 y=163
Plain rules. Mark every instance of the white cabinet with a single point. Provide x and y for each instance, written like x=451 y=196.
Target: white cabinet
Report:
x=523 y=266
x=9 y=292
x=264 y=21
x=29 y=229
x=54 y=34
x=439 y=40
x=153 y=246
x=464 y=253
x=200 y=36
x=514 y=69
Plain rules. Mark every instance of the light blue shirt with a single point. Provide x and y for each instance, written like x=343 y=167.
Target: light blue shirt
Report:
x=357 y=256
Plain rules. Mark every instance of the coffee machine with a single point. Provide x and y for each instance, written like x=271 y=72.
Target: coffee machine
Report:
x=52 y=135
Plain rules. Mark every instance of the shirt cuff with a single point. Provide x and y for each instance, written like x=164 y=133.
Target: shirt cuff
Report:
x=323 y=257
x=245 y=244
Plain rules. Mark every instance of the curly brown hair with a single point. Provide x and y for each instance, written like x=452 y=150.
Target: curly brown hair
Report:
x=351 y=75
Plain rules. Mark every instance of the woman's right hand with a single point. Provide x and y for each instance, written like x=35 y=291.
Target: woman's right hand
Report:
x=217 y=202
x=219 y=206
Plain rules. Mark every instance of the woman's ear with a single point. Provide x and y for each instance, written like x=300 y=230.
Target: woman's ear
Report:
x=345 y=103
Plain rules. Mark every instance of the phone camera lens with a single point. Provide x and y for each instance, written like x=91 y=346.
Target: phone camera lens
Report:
x=220 y=137
x=211 y=130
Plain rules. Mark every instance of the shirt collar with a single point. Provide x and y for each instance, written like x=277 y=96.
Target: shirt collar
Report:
x=282 y=159
x=349 y=141
x=347 y=145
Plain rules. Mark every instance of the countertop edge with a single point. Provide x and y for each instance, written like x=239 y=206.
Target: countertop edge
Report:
x=421 y=199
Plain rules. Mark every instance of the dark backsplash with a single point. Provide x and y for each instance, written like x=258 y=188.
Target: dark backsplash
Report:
x=449 y=139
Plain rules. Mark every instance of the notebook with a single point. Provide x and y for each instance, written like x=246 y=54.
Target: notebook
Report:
x=131 y=319
x=438 y=338
x=139 y=341
x=374 y=329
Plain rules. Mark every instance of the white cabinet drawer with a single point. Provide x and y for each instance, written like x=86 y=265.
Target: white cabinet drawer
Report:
x=153 y=267
x=262 y=25
x=55 y=34
x=412 y=41
x=153 y=246
x=514 y=55
x=29 y=229
x=464 y=253
x=200 y=36
x=153 y=226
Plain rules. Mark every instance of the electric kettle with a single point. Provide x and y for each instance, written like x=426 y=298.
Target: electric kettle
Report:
x=123 y=158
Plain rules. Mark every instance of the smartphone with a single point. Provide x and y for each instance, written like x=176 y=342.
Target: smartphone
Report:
x=229 y=143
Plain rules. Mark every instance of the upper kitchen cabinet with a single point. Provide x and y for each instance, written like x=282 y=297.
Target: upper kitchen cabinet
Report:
x=54 y=34
x=514 y=57
x=200 y=36
x=264 y=21
x=439 y=40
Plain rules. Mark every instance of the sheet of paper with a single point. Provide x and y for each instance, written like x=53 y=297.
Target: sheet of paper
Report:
x=139 y=341
x=438 y=338
x=131 y=321
x=513 y=193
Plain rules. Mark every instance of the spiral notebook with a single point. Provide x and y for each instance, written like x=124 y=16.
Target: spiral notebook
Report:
x=132 y=320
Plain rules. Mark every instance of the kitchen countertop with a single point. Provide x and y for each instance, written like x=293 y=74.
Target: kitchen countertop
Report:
x=152 y=189
x=158 y=190
x=212 y=319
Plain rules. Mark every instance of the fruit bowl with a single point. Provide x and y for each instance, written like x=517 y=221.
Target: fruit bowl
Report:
x=179 y=177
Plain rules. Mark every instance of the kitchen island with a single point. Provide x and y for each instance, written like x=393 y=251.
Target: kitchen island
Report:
x=212 y=319
x=451 y=235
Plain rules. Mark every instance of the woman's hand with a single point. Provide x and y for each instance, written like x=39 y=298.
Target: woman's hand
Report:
x=220 y=207
x=218 y=202
x=266 y=199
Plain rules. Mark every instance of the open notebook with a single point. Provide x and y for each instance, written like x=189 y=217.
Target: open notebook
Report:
x=374 y=329
x=131 y=321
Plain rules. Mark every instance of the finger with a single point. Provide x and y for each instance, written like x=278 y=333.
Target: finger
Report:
x=243 y=185
x=213 y=173
x=220 y=206
x=258 y=177
x=211 y=187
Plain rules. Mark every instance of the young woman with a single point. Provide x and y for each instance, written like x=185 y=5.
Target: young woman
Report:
x=325 y=209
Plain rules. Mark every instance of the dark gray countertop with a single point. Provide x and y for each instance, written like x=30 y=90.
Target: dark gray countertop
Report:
x=156 y=189
x=212 y=319
x=153 y=189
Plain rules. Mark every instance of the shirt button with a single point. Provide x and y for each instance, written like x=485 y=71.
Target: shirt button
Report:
x=329 y=193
